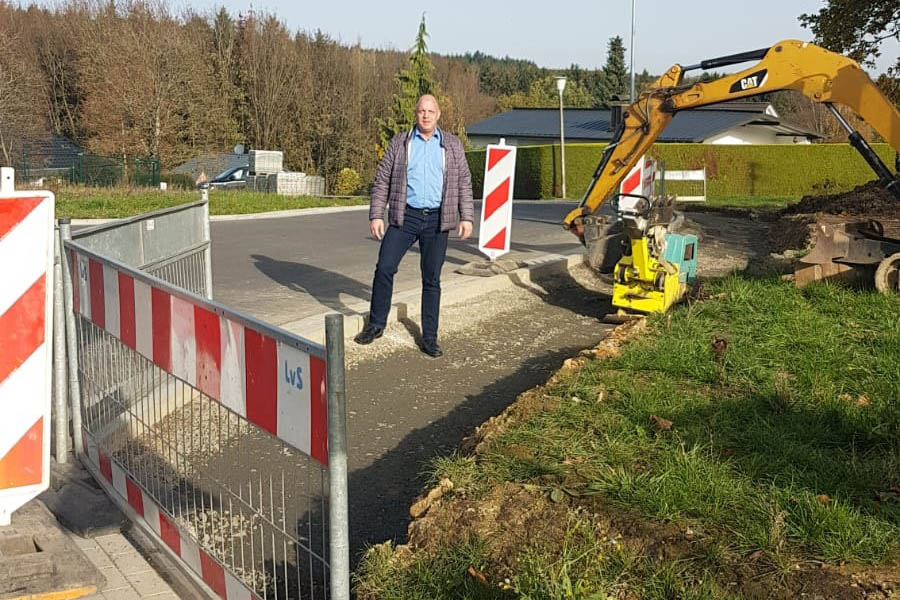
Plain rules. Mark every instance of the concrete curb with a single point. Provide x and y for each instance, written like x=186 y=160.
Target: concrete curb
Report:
x=296 y=212
x=408 y=304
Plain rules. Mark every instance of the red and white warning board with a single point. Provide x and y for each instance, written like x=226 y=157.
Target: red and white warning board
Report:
x=168 y=529
x=26 y=268
x=268 y=381
x=496 y=210
x=639 y=180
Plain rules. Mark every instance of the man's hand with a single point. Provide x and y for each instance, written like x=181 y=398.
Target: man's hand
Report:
x=465 y=229
x=376 y=226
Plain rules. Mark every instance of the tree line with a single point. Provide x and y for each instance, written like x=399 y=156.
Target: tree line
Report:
x=132 y=77
x=135 y=78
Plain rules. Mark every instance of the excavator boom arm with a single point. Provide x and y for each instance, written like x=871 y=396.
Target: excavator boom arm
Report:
x=821 y=75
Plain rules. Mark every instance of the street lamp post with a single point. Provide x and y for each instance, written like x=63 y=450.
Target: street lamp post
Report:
x=561 y=85
x=632 y=51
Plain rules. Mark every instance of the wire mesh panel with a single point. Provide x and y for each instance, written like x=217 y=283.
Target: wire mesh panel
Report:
x=210 y=425
x=172 y=244
x=187 y=271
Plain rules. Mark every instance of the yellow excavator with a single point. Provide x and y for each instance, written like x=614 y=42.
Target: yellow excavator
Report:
x=659 y=264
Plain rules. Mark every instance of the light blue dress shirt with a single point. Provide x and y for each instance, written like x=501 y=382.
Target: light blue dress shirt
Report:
x=425 y=171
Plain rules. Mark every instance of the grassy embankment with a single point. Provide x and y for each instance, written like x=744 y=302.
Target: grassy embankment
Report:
x=676 y=470
x=97 y=203
x=761 y=203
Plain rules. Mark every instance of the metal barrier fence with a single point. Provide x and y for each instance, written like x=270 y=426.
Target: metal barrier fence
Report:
x=172 y=243
x=214 y=430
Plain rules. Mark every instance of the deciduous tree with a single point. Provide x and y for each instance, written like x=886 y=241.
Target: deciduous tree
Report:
x=20 y=112
x=859 y=29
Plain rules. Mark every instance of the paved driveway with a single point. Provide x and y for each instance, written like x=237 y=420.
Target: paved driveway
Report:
x=289 y=268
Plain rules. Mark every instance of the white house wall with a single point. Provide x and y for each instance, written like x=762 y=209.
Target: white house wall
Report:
x=754 y=135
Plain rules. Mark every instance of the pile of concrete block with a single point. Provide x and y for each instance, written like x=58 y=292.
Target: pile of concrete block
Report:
x=266 y=162
x=315 y=186
x=298 y=184
x=267 y=176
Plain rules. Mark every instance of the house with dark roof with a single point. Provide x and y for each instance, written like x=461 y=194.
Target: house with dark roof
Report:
x=727 y=123
x=47 y=154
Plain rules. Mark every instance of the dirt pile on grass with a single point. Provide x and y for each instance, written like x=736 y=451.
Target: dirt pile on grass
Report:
x=790 y=233
x=867 y=199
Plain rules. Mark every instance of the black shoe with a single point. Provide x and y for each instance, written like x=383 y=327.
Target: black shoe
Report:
x=432 y=349
x=369 y=334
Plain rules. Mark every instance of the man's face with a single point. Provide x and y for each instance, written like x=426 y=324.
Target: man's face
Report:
x=427 y=115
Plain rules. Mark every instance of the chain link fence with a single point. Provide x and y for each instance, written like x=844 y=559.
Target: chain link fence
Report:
x=92 y=169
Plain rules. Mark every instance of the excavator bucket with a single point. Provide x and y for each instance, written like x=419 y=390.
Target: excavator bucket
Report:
x=845 y=252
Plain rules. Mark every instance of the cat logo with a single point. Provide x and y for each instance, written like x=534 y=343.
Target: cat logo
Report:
x=750 y=82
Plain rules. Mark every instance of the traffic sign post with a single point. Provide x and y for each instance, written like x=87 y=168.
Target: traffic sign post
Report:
x=496 y=209
x=26 y=320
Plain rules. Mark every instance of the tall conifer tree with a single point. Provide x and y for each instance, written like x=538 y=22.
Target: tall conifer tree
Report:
x=615 y=75
x=412 y=82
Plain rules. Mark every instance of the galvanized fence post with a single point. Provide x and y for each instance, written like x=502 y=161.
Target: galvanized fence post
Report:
x=61 y=450
x=207 y=254
x=338 y=534
x=65 y=233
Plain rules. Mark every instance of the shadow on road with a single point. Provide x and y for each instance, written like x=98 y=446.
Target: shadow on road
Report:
x=566 y=292
x=323 y=285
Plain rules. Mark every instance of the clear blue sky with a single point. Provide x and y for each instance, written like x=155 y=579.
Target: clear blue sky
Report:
x=555 y=33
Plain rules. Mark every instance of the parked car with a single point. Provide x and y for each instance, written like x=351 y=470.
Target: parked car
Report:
x=233 y=178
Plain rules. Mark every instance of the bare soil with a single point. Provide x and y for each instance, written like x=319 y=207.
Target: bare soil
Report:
x=868 y=200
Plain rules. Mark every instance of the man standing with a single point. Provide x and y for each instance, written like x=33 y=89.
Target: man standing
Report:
x=424 y=184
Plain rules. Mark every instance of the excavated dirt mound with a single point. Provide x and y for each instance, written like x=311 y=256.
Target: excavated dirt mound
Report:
x=868 y=199
x=790 y=233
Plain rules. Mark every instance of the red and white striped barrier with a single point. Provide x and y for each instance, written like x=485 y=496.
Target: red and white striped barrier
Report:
x=496 y=211
x=164 y=526
x=639 y=180
x=266 y=380
x=26 y=256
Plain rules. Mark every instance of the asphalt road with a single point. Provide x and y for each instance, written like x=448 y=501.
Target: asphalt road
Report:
x=288 y=268
x=405 y=409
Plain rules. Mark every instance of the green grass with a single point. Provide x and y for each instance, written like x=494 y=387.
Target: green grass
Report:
x=750 y=202
x=442 y=576
x=787 y=444
x=591 y=567
x=586 y=566
x=105 y=203
x=803 y=403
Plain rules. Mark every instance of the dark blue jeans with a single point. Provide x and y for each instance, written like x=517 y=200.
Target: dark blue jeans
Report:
x=424 y=226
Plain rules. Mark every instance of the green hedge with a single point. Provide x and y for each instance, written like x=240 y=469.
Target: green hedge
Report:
x=751 y=170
